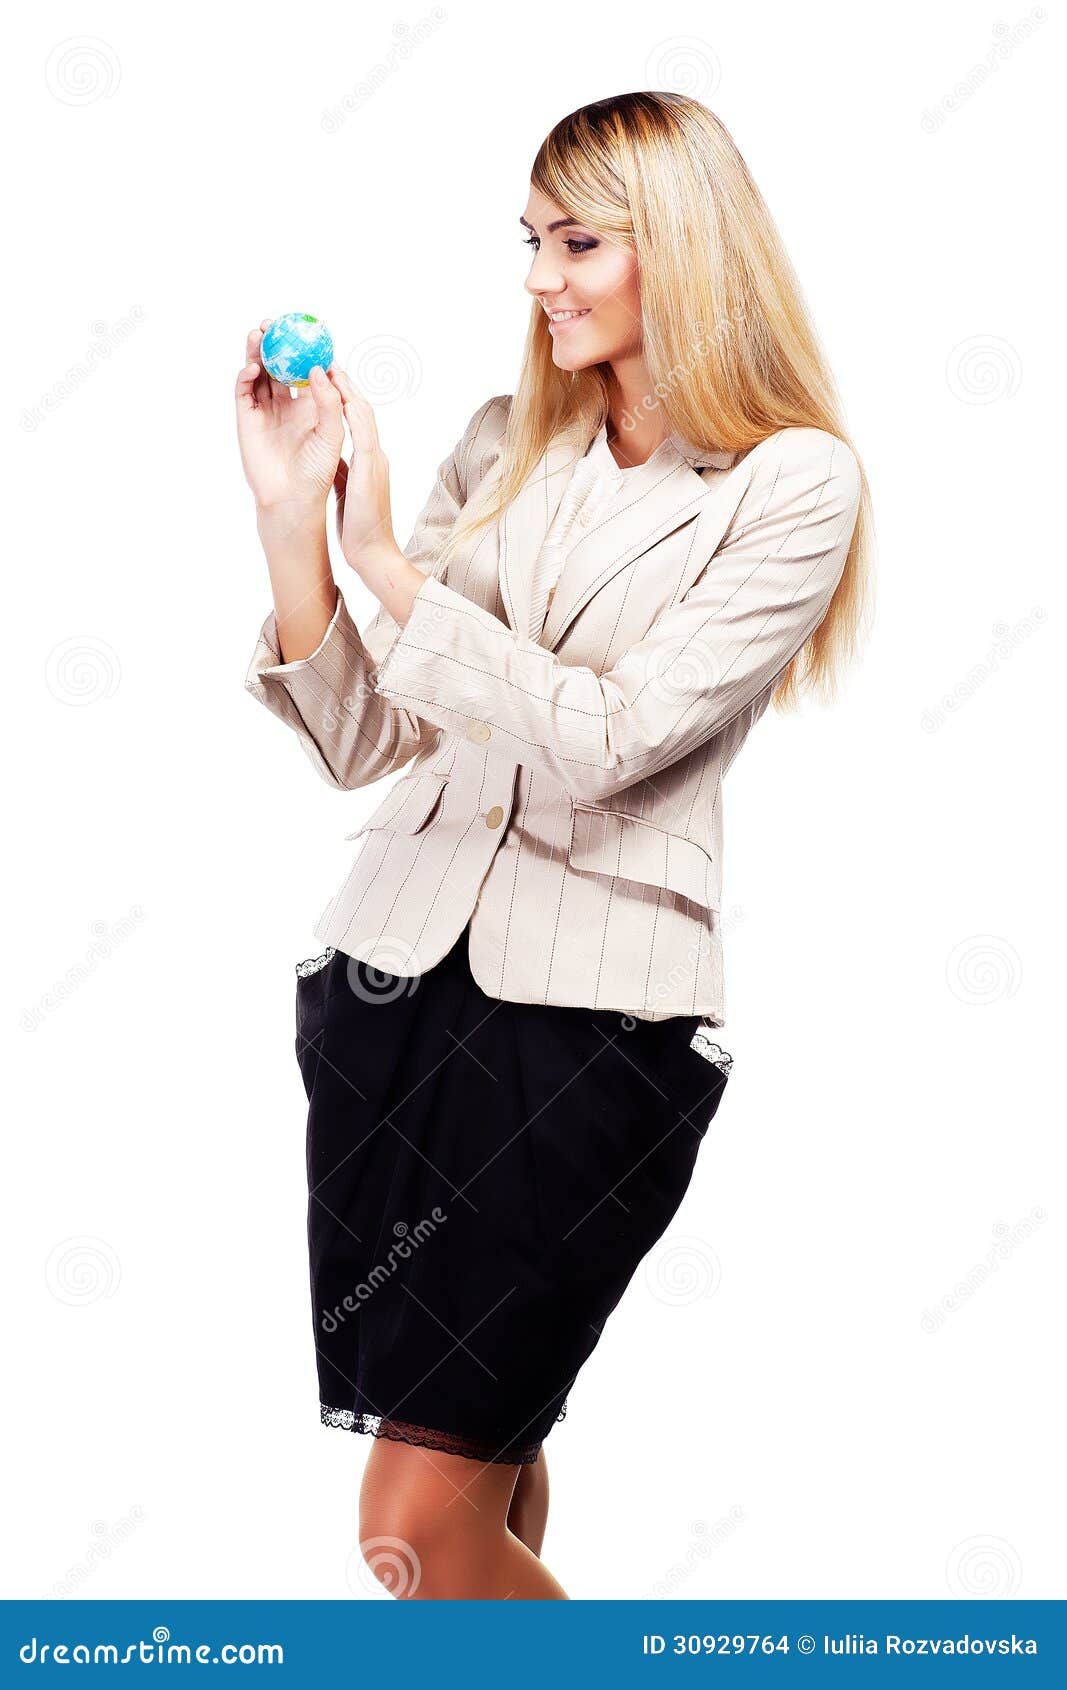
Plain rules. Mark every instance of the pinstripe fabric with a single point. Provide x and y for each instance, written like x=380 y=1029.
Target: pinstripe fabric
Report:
x=595 y=481
x=563 y=793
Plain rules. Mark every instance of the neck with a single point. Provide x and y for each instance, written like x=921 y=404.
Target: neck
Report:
x=636 y=425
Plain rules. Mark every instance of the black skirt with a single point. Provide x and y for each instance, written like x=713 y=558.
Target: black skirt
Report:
x=484 y=1178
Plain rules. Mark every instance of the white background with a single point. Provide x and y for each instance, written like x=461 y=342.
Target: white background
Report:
x=784 y=1404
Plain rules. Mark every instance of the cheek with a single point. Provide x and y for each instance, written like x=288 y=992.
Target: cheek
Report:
x=618 y=293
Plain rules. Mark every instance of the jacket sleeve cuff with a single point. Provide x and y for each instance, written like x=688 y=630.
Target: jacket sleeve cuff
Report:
x=318 y=695
x=446 y=653
x=461 y=668
x=268 y=634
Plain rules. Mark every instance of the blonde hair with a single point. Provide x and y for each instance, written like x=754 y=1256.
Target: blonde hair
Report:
x=730 y=347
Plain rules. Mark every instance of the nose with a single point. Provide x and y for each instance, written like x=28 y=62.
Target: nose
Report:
x=544 y=279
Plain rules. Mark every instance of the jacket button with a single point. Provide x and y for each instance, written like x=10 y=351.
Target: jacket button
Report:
x=494 y=817
x=479 y=730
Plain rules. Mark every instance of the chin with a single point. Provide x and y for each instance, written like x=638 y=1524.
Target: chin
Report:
x=566 y=358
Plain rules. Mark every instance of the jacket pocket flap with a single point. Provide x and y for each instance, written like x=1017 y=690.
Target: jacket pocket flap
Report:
x=407 y=806
x=615 y=843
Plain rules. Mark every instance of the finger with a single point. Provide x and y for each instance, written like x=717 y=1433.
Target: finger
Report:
x=327 y=399
x=359 y=414
x=253 y=342
x=340 y=378
x=246 y=382
x=333 y=373
x=350 y=394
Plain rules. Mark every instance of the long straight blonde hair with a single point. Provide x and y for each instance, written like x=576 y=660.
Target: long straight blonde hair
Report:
x=731 y=350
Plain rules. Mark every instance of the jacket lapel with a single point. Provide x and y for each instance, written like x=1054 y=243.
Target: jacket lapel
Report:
x=522 y=528
x=656 y=498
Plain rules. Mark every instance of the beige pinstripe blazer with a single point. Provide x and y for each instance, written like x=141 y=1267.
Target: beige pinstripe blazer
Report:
x=564 y=792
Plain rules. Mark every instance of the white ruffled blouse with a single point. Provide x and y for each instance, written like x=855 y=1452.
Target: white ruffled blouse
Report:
x=596 y=481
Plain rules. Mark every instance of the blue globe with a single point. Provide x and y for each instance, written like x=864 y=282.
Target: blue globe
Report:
x=293 y=345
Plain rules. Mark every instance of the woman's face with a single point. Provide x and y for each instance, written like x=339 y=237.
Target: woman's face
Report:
x=575 y=269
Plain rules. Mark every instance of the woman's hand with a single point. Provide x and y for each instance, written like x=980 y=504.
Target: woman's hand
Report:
x=364 y=512
x=289 y=447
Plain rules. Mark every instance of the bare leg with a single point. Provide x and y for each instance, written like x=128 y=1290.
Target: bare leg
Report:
x=434 y=1527
x=528 y=1514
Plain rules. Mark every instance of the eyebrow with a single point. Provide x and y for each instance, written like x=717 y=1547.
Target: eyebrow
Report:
x=560 y=223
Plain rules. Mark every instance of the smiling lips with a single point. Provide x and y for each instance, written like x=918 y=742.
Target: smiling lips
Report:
x=560 y=319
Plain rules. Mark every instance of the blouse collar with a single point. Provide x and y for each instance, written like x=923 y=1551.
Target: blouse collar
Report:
x=675 y=445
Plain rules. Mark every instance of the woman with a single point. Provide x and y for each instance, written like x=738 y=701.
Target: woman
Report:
x=504 y=1044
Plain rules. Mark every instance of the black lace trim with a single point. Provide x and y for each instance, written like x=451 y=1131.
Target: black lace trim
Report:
x=313 y=964
x=426 y=1437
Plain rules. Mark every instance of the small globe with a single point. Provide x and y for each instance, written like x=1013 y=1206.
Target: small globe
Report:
x=293 y=345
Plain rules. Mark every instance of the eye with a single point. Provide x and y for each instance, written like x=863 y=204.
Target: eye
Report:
x=575 y=247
